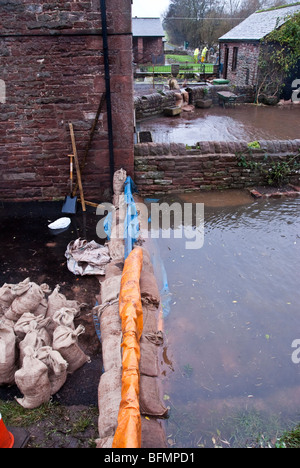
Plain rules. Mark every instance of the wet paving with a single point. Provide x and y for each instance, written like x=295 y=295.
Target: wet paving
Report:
x=240 y=122
x=232 y=316
x=28 y=248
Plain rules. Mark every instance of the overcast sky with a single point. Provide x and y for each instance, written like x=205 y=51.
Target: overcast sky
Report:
x=149 y=8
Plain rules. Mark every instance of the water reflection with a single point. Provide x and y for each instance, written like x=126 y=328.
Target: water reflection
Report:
x=234 y=313
x=247 y=122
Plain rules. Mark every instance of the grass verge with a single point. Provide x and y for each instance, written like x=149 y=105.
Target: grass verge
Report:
x=53 y=425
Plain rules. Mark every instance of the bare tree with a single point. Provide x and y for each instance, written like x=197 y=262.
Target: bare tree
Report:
x=204 y=21
x=184 y=20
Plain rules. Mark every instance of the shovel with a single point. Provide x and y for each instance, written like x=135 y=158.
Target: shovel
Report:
x=70 y=204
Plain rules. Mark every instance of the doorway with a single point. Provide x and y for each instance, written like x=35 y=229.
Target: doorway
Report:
x=226 y=55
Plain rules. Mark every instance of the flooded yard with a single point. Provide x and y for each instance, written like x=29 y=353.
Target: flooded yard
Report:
x=241 y=122
x=229 y=377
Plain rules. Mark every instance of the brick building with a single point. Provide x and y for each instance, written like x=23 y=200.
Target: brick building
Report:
x=240 y=47
x=148 y=40
x=56 y=61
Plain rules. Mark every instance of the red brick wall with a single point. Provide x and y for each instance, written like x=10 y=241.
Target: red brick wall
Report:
x=147 y=48
x=51 y=60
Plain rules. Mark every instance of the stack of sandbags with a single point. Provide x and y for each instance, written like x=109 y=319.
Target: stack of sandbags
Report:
x=33 y=381
x=58 y=302
x=31 y=331
x=9 y=292
x=151 y=340
x=110 y=385
x=65 y=340
x=109 y=391
x=43 y=373
x=151 y=402
x=25 y=298
x=8 y=355
x=116 y=244
x=38 y=340
x=33 y=300
x=119 y=179
x=111 y=336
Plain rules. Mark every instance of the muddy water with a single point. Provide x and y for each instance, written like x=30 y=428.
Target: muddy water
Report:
x=242 y=122
x=234 y=313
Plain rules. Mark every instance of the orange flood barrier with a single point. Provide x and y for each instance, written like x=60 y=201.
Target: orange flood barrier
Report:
x=129 y=433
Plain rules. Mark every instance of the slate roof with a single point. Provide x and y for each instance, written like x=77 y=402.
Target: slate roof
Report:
x=259 y=24
x=147 y=27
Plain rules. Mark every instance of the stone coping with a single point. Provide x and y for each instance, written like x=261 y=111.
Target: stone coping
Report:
x=291 y=191
x=218 y=147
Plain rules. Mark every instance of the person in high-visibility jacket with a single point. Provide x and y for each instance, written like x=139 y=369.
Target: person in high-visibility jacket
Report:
x=203 y=54
x=196 y=53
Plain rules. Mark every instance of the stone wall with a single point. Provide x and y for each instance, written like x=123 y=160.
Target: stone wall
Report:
x=246 y=94
x=145 y=49
x=164 y=168
x=246 y=66
x=153 y=104
x=51 y=60
x=150 y=105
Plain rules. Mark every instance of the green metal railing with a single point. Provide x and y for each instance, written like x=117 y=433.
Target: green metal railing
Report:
x=207 y=68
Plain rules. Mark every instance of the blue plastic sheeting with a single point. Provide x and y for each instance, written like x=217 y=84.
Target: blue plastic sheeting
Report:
x=165 y=294
x=162 y=278
x=131 y=224
x=107 y=225
x=131 y=232
x=151 y=200
x=97 y=323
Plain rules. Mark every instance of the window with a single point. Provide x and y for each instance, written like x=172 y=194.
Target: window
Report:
x=247 y=76
x=234 y=58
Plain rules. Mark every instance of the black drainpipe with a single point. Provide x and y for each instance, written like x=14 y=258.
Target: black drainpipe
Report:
x=108 y=92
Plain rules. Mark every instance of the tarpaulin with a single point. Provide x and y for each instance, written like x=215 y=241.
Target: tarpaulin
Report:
x=128 y=433
x=87 y=258
x=131 y=224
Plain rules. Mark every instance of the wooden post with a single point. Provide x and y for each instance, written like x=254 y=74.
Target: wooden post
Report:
x=77 y=167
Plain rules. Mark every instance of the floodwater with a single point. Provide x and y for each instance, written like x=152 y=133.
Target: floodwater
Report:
x=231 y=317
x=241 y=122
